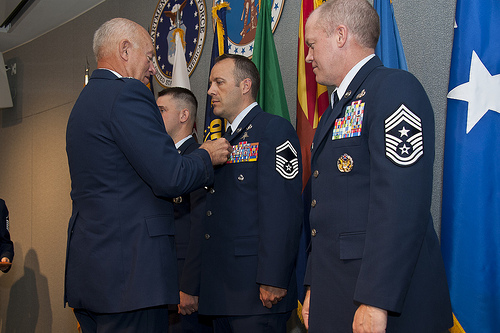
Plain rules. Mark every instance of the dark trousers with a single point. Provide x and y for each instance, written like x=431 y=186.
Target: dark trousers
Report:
x=271 y=323
x=192 y=323
x=149 y=320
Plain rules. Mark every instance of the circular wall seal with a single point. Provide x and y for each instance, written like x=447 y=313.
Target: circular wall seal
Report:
x=241 y=23
x=188 y=15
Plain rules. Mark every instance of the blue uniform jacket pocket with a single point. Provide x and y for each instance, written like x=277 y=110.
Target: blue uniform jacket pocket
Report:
x=160 y=225
x=246 y=246
x=346 y=142
x=352 y=245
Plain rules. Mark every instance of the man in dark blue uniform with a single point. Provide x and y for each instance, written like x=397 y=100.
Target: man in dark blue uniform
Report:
x=253 y=215
x=6 y=245
x=375 y=264
x=178 y=109
x=121 y=267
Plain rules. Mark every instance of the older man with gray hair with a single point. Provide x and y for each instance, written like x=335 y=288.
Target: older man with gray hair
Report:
x=121 y=263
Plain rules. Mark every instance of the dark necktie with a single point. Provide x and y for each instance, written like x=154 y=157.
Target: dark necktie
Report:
x=228 y=133
x=335 y=99
x=328 y=111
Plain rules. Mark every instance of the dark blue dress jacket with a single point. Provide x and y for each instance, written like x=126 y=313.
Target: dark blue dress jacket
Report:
x=253 y=220
x=373 y=240
x=124 y=171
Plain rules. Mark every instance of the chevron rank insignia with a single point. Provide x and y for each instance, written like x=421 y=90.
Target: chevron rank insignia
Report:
x=287 y=163
x=404 y=143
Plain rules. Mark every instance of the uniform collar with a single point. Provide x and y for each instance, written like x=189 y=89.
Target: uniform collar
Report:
x=236 y=122
x=179 y=144
x=112 y=71
x=340 y=90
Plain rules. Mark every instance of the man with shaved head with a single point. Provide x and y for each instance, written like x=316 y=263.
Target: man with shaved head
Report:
x=121 y=267
x=375 y=263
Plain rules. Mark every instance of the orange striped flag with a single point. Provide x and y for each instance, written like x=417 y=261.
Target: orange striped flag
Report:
x=312 y=98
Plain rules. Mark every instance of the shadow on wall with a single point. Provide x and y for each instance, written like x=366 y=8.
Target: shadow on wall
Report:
x=28 y=309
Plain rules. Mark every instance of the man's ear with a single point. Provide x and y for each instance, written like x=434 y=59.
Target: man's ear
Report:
x=184 y=115
x=341 y=35
x=246 y=85
x=124 y=47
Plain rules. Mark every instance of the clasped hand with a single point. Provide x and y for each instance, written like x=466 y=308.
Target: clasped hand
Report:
x=219 y=150
x=270 y=296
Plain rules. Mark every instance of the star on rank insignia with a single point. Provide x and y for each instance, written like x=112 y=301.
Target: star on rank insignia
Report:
x=404 y=143
x=287 y=163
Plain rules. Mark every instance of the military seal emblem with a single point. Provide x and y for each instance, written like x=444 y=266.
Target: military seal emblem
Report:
x=241 y=23
x=188 y=17
x=345 y=163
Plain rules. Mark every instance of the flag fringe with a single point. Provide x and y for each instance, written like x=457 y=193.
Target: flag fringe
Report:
x=181 y=35
x=218 y=24
x=457 y=328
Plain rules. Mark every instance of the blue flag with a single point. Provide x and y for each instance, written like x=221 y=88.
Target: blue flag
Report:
x=214 y=125
x=470 y=234
x=389 y=48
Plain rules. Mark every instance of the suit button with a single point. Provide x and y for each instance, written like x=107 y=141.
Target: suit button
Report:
x=207 y=236
x=209 y=213
x=316 y=173
x=241 y=177
x=313 y=203
x=313 y=232
x=178 y=200
x=212 y=191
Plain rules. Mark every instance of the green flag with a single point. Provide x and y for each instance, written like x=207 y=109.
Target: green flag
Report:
x=271 y=95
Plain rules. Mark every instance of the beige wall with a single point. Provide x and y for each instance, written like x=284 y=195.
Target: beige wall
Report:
x=34 y=176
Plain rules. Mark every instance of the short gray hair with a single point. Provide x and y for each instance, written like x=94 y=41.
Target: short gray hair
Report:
x=111 y=32
x=358 y=16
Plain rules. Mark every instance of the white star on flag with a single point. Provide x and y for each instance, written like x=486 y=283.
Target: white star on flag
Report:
x=481 y=92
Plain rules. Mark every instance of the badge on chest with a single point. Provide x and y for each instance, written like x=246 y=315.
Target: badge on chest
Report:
x=350 y=125
x=244 y=152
